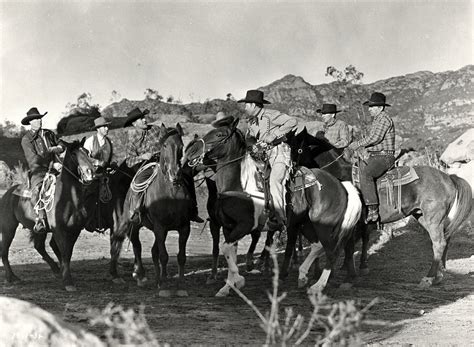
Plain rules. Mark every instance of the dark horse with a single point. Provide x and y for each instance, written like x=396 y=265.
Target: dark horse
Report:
x=105 y=203
x=440 y=202
x=66 y=218
x=327 y=211
x=166 y=207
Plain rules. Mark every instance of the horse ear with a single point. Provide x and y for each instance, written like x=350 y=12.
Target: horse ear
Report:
x=82 y=141
x=163 y=129
x=180 y=129
x=235 y=123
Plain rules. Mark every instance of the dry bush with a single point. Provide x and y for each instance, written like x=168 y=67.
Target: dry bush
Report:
x=334 y=324
x=123 y=327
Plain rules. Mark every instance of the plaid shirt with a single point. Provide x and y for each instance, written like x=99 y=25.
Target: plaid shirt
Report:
x=140 y=142
x=337 y=133
x=381 y=136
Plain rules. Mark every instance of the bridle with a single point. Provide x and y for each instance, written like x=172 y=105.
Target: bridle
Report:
x=206 y=148
x=80 y=176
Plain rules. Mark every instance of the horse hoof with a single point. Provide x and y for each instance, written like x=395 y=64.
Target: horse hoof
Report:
x=314 y=290
x=142 y=282
x=302 y=282
x=364 y=271
x=426 y=282
x=345 y=286
x=118 y=280
x=164 y=293
x=240 y=283
x=182 y=293
x=223 y=292
x=438 y=279
x=250 y=266
x=71 y=288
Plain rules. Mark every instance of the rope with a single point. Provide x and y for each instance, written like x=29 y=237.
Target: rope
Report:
x=337 y=158
x=46 y=196
x=139 y=187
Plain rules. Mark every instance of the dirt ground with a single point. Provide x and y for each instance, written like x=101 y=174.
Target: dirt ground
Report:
x=405 y=314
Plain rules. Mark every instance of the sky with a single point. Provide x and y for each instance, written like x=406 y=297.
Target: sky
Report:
x=51 y=52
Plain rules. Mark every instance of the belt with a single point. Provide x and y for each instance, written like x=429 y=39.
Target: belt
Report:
x=381 y=152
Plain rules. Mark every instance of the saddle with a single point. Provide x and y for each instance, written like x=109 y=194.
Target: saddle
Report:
x=48 y=188
x=396 y=177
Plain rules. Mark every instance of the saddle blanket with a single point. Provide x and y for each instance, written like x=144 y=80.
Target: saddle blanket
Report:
x=302 y=178
x=23 y=192
x=398 y=176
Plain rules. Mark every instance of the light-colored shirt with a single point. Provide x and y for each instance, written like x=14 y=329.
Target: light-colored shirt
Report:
x=271 y=125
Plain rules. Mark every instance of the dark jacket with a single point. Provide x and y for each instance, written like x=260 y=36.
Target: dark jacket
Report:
x=36 y=151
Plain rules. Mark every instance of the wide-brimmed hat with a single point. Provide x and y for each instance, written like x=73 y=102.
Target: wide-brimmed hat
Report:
x=32 y=113
x=328 y=109
x=376 y=99
x=133 y=115
x=100 y=122
x=254 y=96
x=222 y=120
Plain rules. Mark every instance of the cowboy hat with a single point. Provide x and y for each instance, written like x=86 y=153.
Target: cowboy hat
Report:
x=328 y=109
x=133 y=115
x=376 y=99
x=32 y=113
x=222 y=120
x=254 y=96
x=100 y=122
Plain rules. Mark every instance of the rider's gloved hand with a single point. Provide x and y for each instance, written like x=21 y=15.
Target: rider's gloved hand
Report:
x=55 y=149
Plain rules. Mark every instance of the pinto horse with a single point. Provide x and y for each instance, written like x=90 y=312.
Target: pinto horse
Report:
x=66 y=218
x=327 y=211
x=167 y=205
x=440 y=202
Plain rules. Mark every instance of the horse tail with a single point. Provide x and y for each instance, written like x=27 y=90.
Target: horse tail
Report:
x=461 y=207
x=352 y=213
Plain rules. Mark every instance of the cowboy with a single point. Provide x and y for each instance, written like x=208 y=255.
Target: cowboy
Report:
x=380 y=146
x=222 y=120
x=269 y=128
x=336 y=131
x=99 y=145
x=143 y=143
x=40 y=147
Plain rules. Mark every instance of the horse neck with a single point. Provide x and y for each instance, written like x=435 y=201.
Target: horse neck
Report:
x=229 y=166
x=68 y=181
x=332 y=162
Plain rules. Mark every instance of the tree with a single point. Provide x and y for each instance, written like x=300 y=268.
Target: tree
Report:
x=349 y=75
x=115 y=97
x=153 y=94
x=230 y=97
x=170 y=99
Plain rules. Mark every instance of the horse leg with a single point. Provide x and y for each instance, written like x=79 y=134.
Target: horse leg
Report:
x=113 y=260
x=264 y=260
x=39 y=241
x=6 y=238
x=349 y=264
x=249 y=258
x=183 y=239
x=445 y=256
x=364 y=230
x=316 y=251
x=138 y=273
x=55 y=248
x=160 y=260
x=230 y=252
x=438 y=243
x=292 y=234
x=215 y=232
x=66 y=248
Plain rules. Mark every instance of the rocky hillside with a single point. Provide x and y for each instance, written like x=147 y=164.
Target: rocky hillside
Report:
x=429 y=109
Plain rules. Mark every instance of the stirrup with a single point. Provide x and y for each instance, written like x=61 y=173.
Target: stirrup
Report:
x=372 y=216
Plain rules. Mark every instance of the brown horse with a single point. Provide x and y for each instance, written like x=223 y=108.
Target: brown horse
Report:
x=440 y=202
x=326 y=211
x=66 y=218
x=167 y=205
